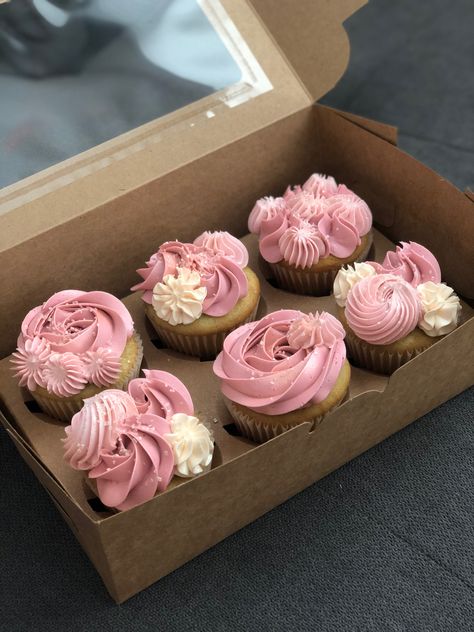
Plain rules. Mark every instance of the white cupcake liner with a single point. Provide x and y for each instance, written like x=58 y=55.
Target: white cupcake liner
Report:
x=205 y=346
x=65 y=408
x=372 y=358
x=259 y=431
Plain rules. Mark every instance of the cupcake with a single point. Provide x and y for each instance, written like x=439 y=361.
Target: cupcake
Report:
x=195 y=294
x=72 y=347
x=307 y=235
x=286 y=369
x=394 y=310
x=130 y=449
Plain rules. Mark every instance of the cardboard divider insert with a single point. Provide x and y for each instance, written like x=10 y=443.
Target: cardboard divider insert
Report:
x=44 y=434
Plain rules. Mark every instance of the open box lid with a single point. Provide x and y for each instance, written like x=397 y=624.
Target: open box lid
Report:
x=288 y=58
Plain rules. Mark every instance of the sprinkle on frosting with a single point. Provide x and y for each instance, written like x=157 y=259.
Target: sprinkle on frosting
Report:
x=440 y=308
x=411 y=261
x=192 y=445
x=382 y=309
x=179 y=299
x=64 y=374
x=261 y=368
x=339 y=218
x=29 y=360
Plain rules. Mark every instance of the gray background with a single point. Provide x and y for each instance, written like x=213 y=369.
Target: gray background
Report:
x=386 y=542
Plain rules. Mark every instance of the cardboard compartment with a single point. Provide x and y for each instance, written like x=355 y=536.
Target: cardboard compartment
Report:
x=247 y=480
x=90 y=223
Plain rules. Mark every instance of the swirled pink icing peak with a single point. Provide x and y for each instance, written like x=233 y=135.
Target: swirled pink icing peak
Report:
x=411 y=261
x=271 y=366
x=339 y=218
x=382 y=309
x=73 y=338
x=302 y=245
x=222 y=242
x=95 y=428
x=223 y=278
x=140 y=464
x=160 y=393
x=29 y=360
x=265 y=208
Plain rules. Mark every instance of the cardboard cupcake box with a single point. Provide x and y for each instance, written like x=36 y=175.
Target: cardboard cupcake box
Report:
x=90 y=222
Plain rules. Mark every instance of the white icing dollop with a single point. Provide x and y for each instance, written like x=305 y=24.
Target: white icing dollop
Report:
x=346 y=278
x=440 y=308
x=192 y=444
x=179 y=300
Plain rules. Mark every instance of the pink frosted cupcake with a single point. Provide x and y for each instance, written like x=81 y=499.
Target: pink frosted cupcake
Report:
x=132 y=444
x=309 y=233
x=395 y=310
x=284 y=370
x=195 y=294
x=72 y=347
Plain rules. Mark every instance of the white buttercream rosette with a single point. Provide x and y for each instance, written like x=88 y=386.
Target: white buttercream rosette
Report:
x=192 y=445
x=179 y=299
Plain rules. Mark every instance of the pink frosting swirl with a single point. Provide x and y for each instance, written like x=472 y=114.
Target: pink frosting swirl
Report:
x=224 y=280
x=271 y=231
x=411 y=261
x=320 y=184
x=222 y=242
x=72 y=339
x=339 y=216
x=94 y=428
x=140 y=464
x=260 y=368
x=160 y=393
x=351 y=208
x=76 y=322
x=29 y=360
x=102 y=367
x=64 y=374
x=265 y=208
x=341 y=235
x=302 y=245
x=383 y=308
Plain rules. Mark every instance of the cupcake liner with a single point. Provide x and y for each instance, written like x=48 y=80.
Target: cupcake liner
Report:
x=376 y=359
x=304 y=281
x=64 y=408
x=259 y=431
x=204 y=346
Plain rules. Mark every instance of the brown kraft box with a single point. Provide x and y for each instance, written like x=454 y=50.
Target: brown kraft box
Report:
x=91 y=221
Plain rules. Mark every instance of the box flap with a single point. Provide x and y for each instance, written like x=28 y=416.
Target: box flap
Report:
x=311 y=35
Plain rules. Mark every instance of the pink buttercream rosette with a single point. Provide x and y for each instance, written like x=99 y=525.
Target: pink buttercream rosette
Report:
x=385 y=307
x=285 y=362
x=123 y=441
x=307 y=225
x=74 y=339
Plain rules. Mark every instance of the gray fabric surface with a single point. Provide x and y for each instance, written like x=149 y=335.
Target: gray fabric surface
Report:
x=383 y=544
